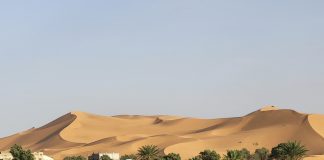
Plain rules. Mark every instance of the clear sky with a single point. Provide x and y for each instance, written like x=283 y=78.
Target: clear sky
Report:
x=197 y=58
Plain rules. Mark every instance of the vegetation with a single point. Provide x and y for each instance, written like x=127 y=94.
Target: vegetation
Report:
x=75 y=158
x=291 y=150
x=105 y=157
x=277 y=152
x=148 y=152
x=171 y=156
x=19 y=153
x=284 y=151
x=232 y=155
x=261 y=154
x=195 y=158
x=245 y=154
x=128 y=156
x=207 y=155
x=242 y=154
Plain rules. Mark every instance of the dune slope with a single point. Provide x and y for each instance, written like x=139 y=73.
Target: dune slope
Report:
x=80 y=133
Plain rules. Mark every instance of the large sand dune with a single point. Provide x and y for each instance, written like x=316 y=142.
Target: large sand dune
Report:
x=80 y=133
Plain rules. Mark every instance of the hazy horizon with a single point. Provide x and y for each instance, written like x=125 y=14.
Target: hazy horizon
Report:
x=203 y=59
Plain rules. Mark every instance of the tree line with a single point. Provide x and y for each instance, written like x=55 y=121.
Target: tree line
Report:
x=291 y=150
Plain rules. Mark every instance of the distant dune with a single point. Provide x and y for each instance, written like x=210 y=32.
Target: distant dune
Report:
x=80 y=133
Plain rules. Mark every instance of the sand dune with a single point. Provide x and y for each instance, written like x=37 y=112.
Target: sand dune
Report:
x=80 y=133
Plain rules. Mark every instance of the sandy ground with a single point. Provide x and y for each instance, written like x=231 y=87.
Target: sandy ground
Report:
x=80 y=133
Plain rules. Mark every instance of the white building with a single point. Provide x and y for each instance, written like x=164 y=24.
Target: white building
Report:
x=41 y=156
x=5 y=156
x=97 y=156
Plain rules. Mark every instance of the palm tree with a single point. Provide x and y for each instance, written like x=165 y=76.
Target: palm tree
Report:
x=291 y=150
x=148 y=152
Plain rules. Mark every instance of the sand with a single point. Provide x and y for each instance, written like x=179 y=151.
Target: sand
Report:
x=79 y=133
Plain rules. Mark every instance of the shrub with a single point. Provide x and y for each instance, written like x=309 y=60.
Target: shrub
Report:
x=18 y=153
x=75 y=158
x=171 y=156
x=245 y=154
x=261 y=154
x=195 y=158
x=242 y=154
x=233 y=155
x=105 y=157
x=128 y=156
x=207 y=155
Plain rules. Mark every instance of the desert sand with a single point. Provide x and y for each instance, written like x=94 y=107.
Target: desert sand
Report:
x=79 y=133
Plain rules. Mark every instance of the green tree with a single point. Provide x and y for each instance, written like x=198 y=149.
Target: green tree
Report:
x=75 y=158
x=171 y=156
x=209 y=155
x=105 y=157
x=19 y=153
x=148 y=152
x=128 y=156
x=261 y=154
x=291 y=150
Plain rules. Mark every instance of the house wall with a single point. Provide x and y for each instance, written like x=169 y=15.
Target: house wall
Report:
x=5 y=156
x=41 y=156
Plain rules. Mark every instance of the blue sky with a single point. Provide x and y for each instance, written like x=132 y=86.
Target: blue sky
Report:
x=204 y=59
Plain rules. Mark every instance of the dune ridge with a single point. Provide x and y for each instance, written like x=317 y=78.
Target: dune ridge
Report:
x=80 y=133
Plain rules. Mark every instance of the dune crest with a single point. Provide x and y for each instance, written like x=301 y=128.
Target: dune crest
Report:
x=81 y=133
x=269 y=108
